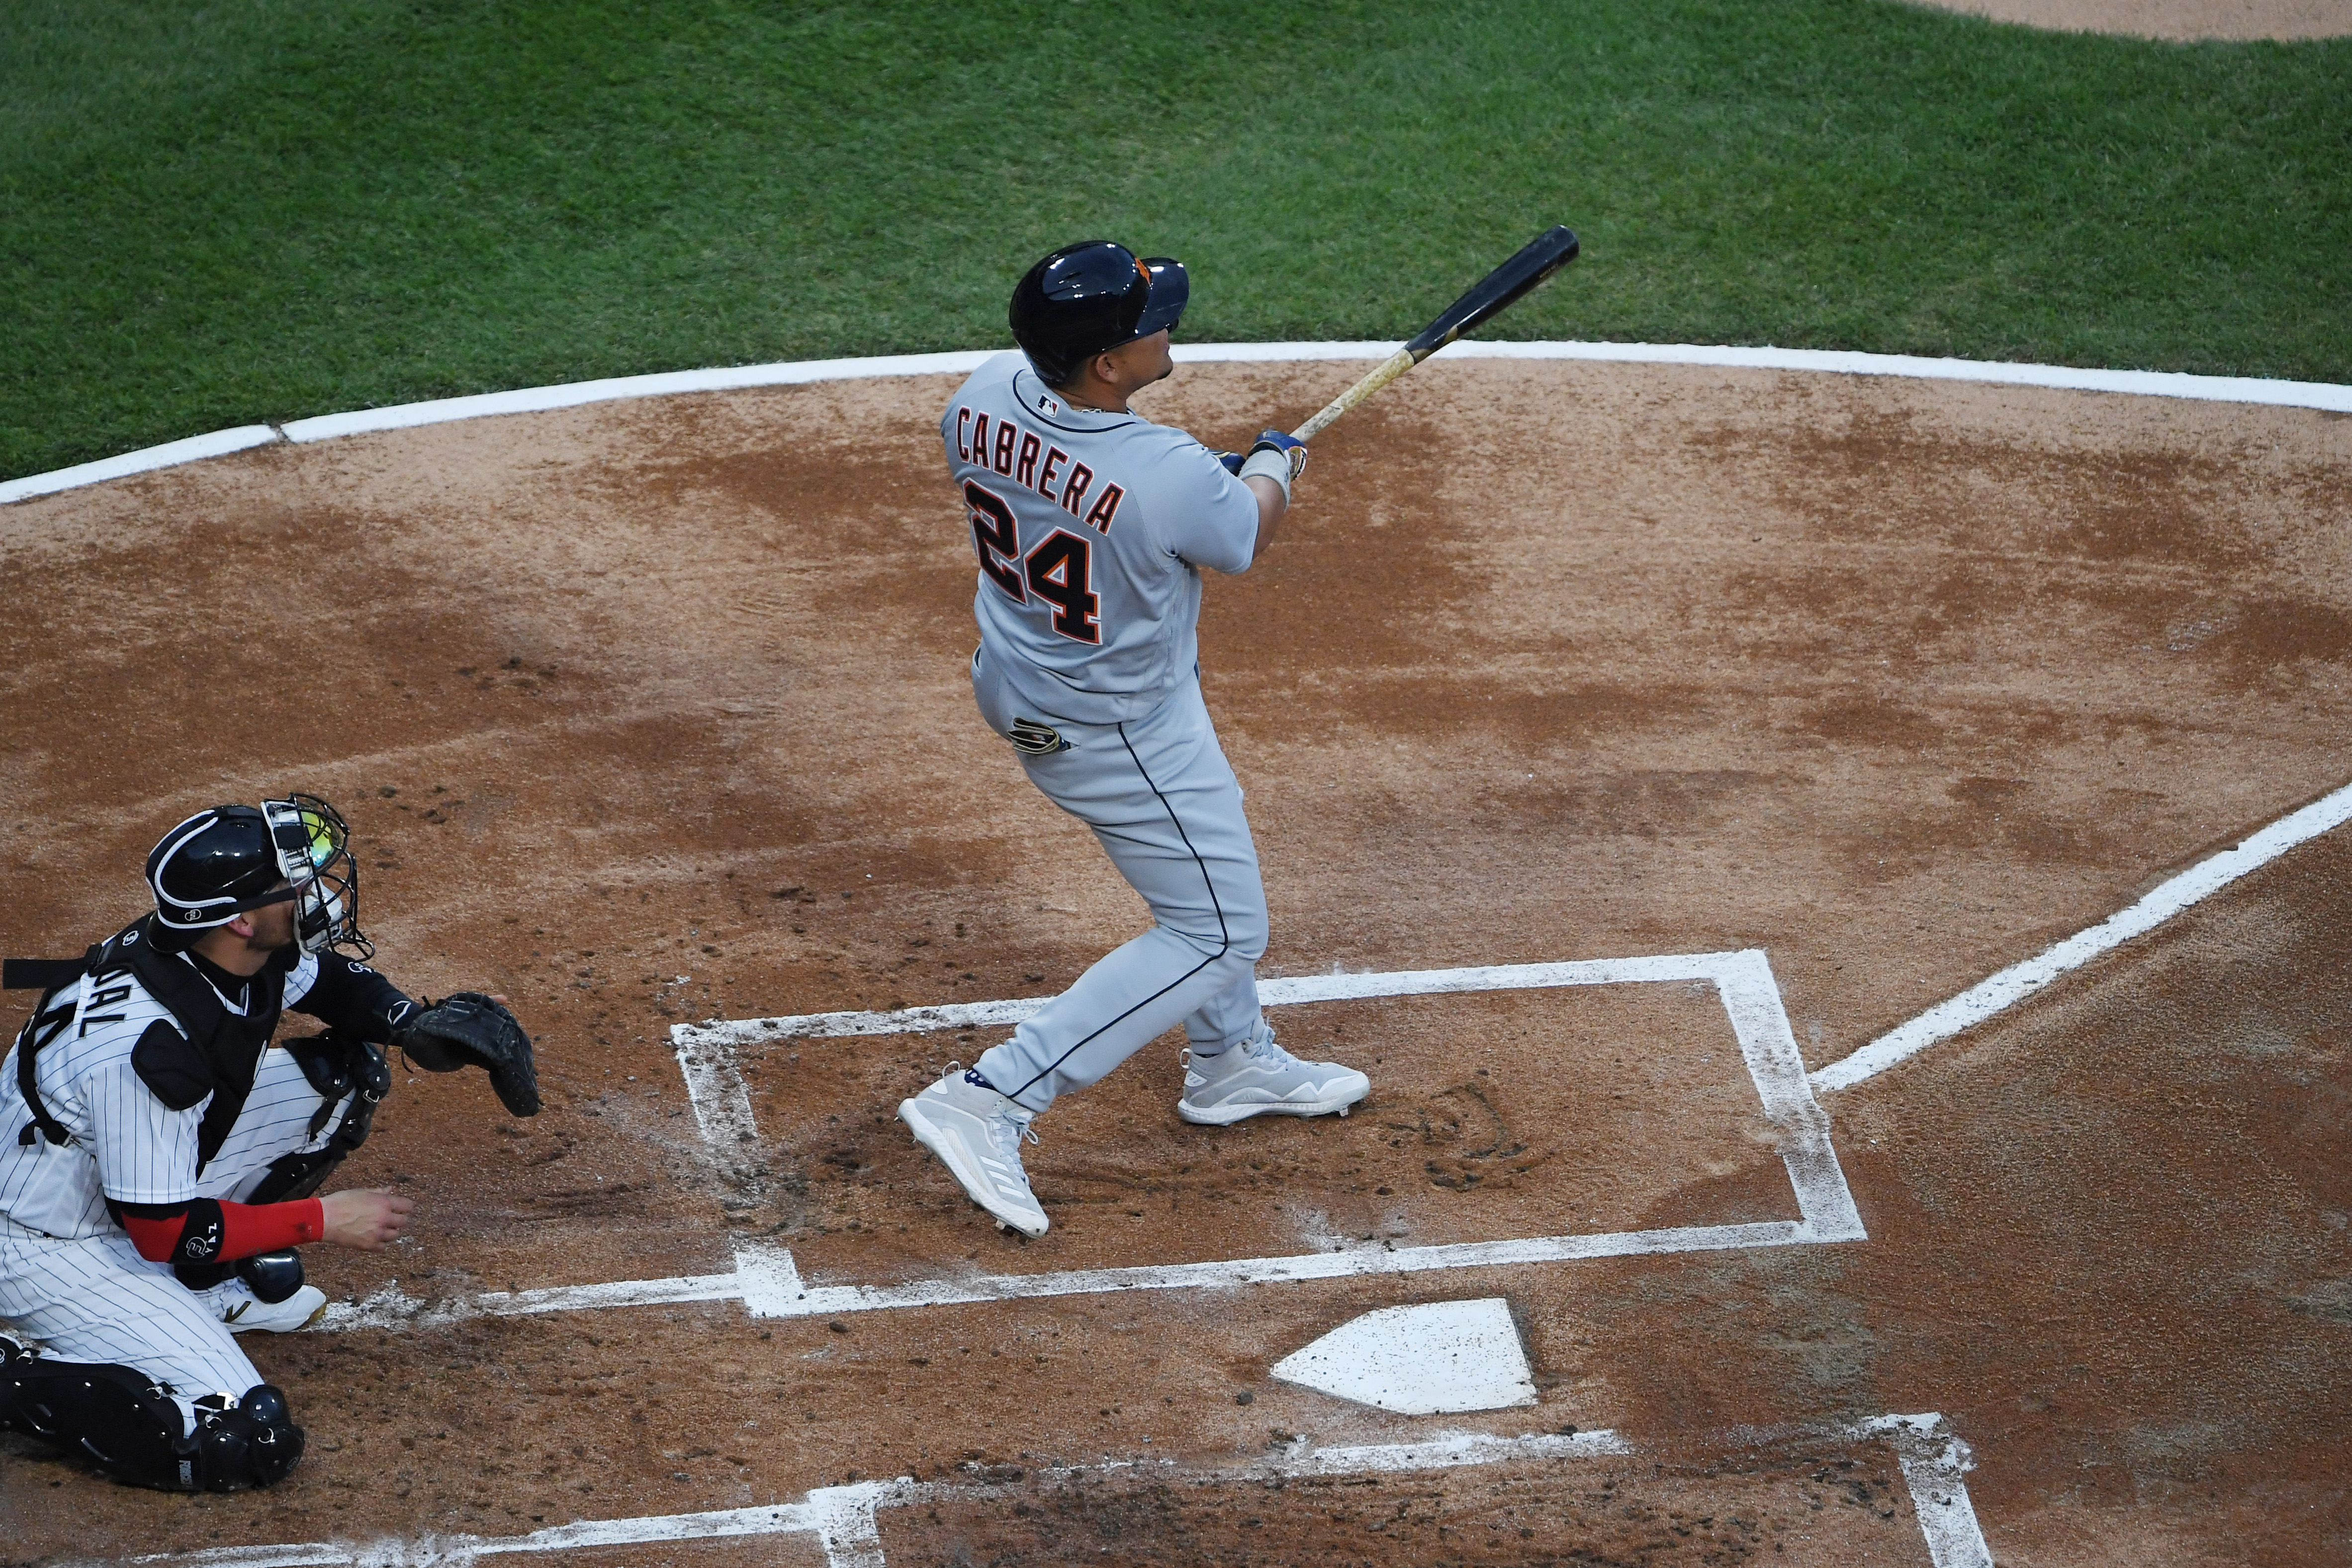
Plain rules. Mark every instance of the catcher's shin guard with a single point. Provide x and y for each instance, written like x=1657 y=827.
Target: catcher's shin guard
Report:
x=134 y=1428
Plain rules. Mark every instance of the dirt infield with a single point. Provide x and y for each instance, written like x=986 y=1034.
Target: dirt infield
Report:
x=652 y=712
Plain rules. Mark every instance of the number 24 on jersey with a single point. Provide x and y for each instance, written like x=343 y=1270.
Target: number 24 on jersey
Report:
x=1059 y=571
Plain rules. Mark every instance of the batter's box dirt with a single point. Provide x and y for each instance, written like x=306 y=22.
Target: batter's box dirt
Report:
x=1506 y=1113
x=1521 y=1114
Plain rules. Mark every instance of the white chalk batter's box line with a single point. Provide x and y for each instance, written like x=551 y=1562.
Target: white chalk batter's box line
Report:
x=846 y=1524
x=766 y=1280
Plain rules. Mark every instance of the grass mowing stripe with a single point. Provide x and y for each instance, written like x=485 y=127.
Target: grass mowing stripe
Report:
x=264 y=211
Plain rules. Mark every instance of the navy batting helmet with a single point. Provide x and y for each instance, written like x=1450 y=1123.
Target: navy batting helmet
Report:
x=1092 y=296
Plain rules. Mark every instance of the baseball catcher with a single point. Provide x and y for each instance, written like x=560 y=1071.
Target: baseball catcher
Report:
x=160 y=1159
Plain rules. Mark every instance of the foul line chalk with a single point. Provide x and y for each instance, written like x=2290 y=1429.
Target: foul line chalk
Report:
x=572 y=394
x=846 y=1518
x=2014 y=984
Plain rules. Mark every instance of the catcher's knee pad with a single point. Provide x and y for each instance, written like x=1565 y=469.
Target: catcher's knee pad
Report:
x=130 y=1424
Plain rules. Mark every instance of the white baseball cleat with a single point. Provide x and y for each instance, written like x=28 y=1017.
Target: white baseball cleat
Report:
x=977 y=1133
x=246 y=1313
x=1258 y=1077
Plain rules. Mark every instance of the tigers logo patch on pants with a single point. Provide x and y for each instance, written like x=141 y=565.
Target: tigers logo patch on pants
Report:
x=1034 y=739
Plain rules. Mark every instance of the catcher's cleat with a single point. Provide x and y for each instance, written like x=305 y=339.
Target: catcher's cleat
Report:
x=1258 y=1077
x=977 y=1133
x=246 y=1313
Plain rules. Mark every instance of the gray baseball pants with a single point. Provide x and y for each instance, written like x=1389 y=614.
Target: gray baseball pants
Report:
x=1165 y=805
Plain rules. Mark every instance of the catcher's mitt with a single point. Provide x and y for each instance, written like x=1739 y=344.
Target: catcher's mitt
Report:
x=470 y=1027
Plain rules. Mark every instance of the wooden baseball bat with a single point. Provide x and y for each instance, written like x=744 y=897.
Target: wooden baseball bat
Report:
x=1497 y=292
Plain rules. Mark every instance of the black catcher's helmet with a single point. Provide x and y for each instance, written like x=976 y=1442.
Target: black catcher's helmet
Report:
x=1090 y=297
x=228 y=859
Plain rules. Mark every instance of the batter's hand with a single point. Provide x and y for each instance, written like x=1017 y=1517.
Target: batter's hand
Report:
x=370 y=1217
x=1288 y=447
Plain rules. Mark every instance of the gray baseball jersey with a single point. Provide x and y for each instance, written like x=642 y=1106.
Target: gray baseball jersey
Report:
x=1091 y=529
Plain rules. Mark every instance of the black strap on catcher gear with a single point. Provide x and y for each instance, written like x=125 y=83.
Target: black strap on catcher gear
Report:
x=131 y=1427
x=339 y=1065
x=46 y=1023
x=47 y=975
x=223 y=1048
x=38 y=974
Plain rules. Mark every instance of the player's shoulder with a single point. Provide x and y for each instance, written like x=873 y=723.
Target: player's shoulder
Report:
x=174 y=1069
x=994 y=371
x=117 y=1023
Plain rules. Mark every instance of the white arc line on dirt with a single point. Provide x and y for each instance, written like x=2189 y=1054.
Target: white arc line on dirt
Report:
x=730 y=377
x=846 y=1518
x=2013 y=985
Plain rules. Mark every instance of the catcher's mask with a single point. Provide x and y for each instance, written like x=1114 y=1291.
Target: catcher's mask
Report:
x=227 y=860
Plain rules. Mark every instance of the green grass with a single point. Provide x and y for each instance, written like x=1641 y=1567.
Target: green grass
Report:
x=214 y=214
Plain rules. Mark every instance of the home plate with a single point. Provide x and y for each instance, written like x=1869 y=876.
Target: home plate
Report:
x=1437 y=1359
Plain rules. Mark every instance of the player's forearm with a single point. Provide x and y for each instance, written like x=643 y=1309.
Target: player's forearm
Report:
x=1272 y=506
x=354 y=998
x=207 y=1230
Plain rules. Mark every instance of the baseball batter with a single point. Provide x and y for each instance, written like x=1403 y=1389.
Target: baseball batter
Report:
x=1092 y=526
x=158 y=1157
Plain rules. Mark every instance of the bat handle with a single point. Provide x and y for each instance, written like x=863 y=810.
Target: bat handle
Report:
x=1387 y=370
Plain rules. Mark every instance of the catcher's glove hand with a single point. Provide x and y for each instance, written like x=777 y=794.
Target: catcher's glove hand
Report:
x=471 y=1027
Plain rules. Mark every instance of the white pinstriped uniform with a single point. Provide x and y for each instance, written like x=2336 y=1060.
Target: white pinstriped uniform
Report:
x=68 y=1276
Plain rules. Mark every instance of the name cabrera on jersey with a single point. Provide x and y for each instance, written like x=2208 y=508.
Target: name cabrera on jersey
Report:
x=1091 y=529
x=126 y=1143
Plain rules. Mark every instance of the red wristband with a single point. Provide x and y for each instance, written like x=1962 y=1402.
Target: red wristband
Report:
x=248 y=1227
